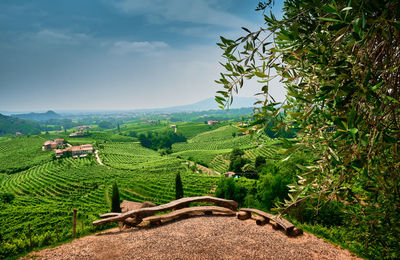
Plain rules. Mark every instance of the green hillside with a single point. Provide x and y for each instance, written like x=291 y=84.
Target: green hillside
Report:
x=20 y=153
x=11 y=125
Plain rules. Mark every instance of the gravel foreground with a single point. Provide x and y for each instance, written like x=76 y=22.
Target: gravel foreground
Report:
x=205 y=237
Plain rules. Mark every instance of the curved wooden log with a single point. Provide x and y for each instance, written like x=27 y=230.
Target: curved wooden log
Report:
x=139 y=214
x=276 y=222
x=109 y=215
x=188 y=212
x=296 y=232
x=243 y=215
x=261 y=221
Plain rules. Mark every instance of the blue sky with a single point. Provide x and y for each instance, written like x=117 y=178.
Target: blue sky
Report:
x=116 y=54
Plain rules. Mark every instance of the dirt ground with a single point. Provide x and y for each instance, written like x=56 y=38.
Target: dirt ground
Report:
x=203 y=237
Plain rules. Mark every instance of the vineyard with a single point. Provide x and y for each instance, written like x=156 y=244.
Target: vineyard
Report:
x=44 y=190
x=20 y=153
x=212 y=147
x=46 y=193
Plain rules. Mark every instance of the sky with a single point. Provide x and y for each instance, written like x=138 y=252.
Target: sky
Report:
x=117 y=54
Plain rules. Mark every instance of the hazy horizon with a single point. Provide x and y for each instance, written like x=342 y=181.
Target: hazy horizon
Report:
x=117 y=54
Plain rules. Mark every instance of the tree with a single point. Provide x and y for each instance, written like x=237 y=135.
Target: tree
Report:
x=115 y=201
x=178 y=187
x=339 y=62
x=259 y=161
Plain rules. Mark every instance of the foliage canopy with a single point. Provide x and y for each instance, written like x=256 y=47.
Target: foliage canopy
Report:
x=339 y=62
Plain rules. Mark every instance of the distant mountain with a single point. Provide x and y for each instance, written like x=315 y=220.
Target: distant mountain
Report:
x=209 y=104
x=11 y=125
x=38 y=116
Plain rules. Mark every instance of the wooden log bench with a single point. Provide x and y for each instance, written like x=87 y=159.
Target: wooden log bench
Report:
x=263 y=218
x=200 y=210
x=134 y=217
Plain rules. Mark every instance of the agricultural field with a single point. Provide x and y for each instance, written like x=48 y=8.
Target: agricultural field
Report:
x=96 y=136
x=38 y=190
x=20 y=153
x=192 y=129
x=188 y=129
x=211 y=148
x=44 y=195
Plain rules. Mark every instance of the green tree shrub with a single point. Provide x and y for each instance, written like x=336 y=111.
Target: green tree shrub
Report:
x=338 y=62
x=178 y=187
x=115 y=200
x=259 y=161
x=7 y=197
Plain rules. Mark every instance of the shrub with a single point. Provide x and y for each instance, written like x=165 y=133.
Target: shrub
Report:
x=115 y=201
x=178 y=187
x=7 y=197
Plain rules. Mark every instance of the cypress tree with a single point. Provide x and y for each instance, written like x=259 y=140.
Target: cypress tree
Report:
x=178 y=187
x=115 y=202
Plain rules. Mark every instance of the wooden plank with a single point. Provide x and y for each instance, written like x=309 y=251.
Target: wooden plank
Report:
x=188 y=211
x=139 y=214
x=109 y=215
x=286 y=225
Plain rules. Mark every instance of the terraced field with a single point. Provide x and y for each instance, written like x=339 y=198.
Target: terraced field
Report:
x=211 y=148
x=46 y=193
x=266 y=151
x=95 y=136
x=47 y=190
x=21 y=153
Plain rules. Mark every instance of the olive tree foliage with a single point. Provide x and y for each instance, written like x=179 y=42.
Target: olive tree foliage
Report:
x=339 y=62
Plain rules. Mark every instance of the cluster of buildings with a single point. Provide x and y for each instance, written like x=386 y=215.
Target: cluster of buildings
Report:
x=174 y=127
x=79 y=133
x=53 y=144
x=75 y=151
x=212 y=122
x=83 y=127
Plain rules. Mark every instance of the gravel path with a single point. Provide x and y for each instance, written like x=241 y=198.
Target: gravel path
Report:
x=205 y=237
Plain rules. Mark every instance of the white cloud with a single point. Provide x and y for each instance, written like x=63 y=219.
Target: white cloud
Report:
x=58 y=37
x=125 y=47
x=194 y=11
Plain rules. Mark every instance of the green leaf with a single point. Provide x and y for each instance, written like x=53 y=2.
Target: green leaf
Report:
x=353 y=131
x=247 y=30
x=330 y=9
x=328 y=19
x=377 y=86
x=260 y=74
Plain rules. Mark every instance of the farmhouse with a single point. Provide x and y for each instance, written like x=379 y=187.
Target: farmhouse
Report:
x=212 y=122
x=230 y=174
x=76 y=151
x=83 y=127
x=79 y=133
x=53 y=144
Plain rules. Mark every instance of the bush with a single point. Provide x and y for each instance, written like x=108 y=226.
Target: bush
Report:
x=229 y=189
x=115 y=201
x=7 y=197
x=178 y=187
x=260 y=161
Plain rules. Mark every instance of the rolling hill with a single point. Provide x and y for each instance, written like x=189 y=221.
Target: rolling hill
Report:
x=11 y=125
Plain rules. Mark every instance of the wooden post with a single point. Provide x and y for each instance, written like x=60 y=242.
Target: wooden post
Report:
x=30 y=235
x=74 y=226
